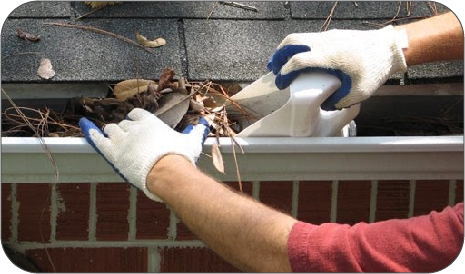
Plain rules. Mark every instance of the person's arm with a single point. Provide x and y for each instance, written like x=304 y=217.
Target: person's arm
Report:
x=438 y=38
x=161 y=162
x=246 y=233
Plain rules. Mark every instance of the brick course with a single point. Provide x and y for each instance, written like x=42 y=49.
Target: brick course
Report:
x=73 y=212
x=34 y=212
x=177 y=259
x=353 y=204
x=152 y=218
x=393 y=200
x=277 y=195
x=133 y=259
x=431 y=195
x=112 y=212
x=315 y=201
x=6 y=211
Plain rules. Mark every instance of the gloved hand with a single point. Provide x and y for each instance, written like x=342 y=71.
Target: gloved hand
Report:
x=362 y=60
x=135 y=145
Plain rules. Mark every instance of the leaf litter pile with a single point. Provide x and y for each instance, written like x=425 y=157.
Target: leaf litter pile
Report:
x=176 y=102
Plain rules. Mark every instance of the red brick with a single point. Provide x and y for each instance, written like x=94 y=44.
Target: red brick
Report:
x=91 y=259
x=6 y=211
x=112 y=207
x=183 y=233
x=186 y=259
x=393 y=200
x=277 y=195
x=459 y=191
x=73 y=207
x=353 y=203
x=431 y=195
x=153 y=218
x=314 y=202
x=34 y=212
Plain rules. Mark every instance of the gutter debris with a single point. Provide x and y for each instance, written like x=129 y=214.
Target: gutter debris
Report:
x=176 y=102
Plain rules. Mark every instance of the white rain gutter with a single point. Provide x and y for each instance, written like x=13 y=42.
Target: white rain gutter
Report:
x=277 y=159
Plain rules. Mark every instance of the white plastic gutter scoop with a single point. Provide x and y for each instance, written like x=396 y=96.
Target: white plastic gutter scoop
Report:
x=295 y=111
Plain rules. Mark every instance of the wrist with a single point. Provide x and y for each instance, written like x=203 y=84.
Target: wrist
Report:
x=165 y=172
x=398 y=42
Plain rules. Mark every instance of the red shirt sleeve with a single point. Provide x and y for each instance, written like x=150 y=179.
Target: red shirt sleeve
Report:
x=426 y=243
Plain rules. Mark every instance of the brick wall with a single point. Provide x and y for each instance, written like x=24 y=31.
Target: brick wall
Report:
x=113 y=227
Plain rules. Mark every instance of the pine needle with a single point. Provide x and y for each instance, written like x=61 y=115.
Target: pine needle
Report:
x=51 y=159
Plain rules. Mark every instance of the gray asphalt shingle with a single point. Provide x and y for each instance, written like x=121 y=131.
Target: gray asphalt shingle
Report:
x=239 y=50
x=190 y=9
x=233 y=44
x=362 y=9
x=44 y=9
x=79 y=55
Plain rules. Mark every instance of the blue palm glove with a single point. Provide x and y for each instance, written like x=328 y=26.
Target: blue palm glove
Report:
x=135 y=145
x=362 y=60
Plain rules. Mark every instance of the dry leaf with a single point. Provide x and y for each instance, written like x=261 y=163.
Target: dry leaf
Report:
x=99 y=4
x=195 y=106
x=129 y=88
x=173 y=106
x=45 y=69
x=28 y=37
x=217 y=158
x=166 y=78
x=158 y=42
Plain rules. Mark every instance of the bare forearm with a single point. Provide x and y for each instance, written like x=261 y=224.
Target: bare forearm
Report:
x=439 y=38
x=248 y=234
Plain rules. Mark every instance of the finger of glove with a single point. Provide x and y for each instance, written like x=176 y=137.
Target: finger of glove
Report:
x=199 y=131
x=126 y=125
x=113 y=131
x=95 y=136
x=282 y=55
x=138 y=114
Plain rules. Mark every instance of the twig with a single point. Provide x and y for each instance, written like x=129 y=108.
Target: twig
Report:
x=89 y=13
x=395 y=16
x=408 y=7
x=212 y=10
x=99 y=31
x=238 y=173
x=433 y=8
x=239 y=5
x=327 y=22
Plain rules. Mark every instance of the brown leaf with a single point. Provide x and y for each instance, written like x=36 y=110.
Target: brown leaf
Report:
x=157 y=42
x=166 y=78
x=45 y=69
x=131 y=87
x=28 y=37
x=217 y=158
x=99 y=4
x=173 y=106
x=214 y=102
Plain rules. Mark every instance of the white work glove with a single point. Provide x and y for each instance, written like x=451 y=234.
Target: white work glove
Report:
x=362 y=60
x=136 y=144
